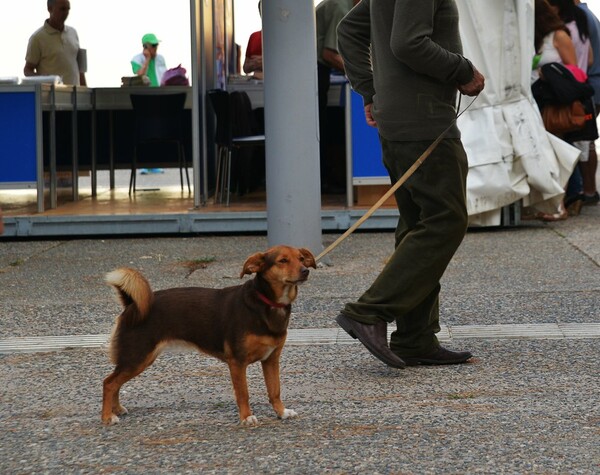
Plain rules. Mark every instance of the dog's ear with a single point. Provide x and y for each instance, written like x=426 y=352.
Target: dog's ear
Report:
x=309 y=259
x=253 y=264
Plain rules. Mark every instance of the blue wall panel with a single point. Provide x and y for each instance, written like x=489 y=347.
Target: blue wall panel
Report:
x=366 y=149
x=17 y=137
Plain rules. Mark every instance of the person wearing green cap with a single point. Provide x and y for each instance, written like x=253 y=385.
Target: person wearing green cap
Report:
x=152 y=65
x=149 y=63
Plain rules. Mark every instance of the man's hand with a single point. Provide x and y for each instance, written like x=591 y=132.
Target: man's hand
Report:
x=253 y=63
x=369 y=116
x=473 y=87
x=333 y=59
x=256 y=61
x=30 y=69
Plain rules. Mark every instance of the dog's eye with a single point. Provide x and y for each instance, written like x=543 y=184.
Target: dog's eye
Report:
x=284 y=260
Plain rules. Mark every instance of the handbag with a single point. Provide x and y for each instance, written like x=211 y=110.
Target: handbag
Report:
x=589 y=131
x=560 y=119
x=175 y=77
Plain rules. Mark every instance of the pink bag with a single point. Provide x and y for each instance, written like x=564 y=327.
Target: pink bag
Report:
x=175 y=77
x=578 y=73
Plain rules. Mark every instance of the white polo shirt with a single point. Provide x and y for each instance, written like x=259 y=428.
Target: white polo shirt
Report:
x=55 y=52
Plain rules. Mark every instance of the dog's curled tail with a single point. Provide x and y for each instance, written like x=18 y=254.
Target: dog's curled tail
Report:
x=132 y=288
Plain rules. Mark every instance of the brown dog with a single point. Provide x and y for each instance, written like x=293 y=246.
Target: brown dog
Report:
x=239 y=325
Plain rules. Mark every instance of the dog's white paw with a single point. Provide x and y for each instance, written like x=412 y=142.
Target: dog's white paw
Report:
x=250 y=421
x=288 y=413
x=111 y=421
x=121 y=411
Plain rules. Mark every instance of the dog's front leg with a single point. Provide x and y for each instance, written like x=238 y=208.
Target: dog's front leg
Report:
x=271 y=373
x=240 y=387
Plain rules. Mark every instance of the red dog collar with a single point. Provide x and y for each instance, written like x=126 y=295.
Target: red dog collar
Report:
x=269 y=302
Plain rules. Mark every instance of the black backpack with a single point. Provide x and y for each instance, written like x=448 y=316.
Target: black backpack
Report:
x=559 y=86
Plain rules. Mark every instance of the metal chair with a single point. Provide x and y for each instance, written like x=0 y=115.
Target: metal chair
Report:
x=158 y=119
x=233 y=132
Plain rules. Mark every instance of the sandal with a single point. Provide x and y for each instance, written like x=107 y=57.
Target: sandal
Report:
x=575 y=208
x=560 y=216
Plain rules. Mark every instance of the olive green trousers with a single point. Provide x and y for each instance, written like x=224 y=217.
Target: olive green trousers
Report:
x=432 y=224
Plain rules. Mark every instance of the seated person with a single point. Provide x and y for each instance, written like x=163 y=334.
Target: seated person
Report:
x=152 y=65
x=253 y=60
x=149 y=63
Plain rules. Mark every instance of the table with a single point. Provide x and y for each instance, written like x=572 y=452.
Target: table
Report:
x=113 y=99
x=255 y=90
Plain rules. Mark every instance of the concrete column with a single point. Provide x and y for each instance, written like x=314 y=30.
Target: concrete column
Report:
x=198 y=74
x=291 y=123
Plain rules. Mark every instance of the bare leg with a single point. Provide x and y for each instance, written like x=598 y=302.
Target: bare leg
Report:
x=588 y=172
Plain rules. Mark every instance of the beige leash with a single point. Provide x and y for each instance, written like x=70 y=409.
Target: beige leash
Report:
x=397 y=185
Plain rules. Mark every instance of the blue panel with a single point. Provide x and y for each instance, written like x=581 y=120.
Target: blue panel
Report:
x=366 y=149
x=17 y=137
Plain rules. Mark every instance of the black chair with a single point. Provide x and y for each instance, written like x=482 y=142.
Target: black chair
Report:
x=234 y=131
x=159 y=119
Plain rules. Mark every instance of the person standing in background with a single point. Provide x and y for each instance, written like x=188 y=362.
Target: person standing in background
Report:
x=589 y=168
x=577 y=22
x=54 y=48
x=552 y=44
x=551 y=40
x=149 y=63
x=328 y=15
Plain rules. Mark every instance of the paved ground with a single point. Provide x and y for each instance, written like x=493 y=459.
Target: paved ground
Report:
x=526 y=301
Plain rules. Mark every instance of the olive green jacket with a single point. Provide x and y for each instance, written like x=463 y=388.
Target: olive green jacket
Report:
x=405 y=57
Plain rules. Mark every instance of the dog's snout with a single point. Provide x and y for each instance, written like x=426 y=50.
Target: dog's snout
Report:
x=304 y=272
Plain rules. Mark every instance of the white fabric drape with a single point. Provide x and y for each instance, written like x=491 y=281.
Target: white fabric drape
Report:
x=511 y=156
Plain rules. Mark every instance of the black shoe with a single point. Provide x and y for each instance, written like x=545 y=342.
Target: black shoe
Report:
x=439 y=356
x=572 y=199
x=373 y=337
x=591 y=199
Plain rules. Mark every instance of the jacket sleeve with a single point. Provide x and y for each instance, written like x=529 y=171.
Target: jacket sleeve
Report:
x=354 y=45
x=411 y=43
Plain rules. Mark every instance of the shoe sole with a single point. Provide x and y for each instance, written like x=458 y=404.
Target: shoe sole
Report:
x=346 y=326
x=425 y=362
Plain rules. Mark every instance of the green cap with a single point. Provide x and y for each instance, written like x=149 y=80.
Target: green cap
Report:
x=150 y=38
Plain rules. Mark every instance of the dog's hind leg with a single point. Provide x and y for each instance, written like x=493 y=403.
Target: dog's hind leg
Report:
x=270 y=369
x=110 y=396
x=240 y=387
x=111 y=407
